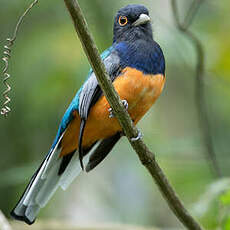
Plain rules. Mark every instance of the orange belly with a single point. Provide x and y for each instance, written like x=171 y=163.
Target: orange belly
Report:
x=140 y=91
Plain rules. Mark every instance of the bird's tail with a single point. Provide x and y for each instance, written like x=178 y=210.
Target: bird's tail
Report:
x=44 y=183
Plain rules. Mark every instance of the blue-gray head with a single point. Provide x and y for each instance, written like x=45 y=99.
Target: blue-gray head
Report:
x=132 y=22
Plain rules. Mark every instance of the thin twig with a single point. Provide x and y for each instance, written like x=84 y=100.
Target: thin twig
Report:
x=191 y=13
x=147 y=158
x=5 y=110
x=199 y=81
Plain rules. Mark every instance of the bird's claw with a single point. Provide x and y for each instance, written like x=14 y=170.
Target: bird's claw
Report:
x=124 y=102
x=138 y=137
x=111 y=115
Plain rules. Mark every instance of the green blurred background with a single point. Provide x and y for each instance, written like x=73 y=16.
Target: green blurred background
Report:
x=48 y=66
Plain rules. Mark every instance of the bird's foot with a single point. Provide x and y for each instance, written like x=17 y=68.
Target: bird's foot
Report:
x=124 y=102
x=138 y=137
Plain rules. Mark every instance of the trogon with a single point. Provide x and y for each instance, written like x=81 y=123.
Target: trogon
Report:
x=136 y=66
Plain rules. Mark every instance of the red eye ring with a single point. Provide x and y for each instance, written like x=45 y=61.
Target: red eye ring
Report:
x=123 y=20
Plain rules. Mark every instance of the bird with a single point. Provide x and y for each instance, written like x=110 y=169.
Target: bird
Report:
x=89 y=130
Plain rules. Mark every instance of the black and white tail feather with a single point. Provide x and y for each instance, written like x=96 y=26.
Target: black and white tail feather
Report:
x=44 y=183
x=48 y=178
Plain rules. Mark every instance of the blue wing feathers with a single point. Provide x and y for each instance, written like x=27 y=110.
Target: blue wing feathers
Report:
x=74 y=105
x=104 y=55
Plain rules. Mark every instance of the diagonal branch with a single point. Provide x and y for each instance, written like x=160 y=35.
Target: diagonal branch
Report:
x=191 y=13
x=147 y=158
x=199 y=81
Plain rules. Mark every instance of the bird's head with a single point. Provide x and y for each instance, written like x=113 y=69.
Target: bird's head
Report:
x=132 y=22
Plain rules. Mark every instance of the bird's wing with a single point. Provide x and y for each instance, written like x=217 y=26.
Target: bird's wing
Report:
x=91 y=91
x=88 y=94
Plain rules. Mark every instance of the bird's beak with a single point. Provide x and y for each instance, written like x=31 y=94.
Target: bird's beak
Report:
x=143 y=19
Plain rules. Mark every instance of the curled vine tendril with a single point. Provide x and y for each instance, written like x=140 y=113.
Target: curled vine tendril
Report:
x=6 y=56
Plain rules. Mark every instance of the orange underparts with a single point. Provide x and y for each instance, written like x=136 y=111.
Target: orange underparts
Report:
x=140 y=91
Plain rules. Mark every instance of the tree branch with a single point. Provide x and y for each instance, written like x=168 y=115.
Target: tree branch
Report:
x=183 y=26
x=199 y=81
x=191 y=13
x=147 y=158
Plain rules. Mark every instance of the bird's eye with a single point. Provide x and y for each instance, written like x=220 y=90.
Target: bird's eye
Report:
x=123 y=20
